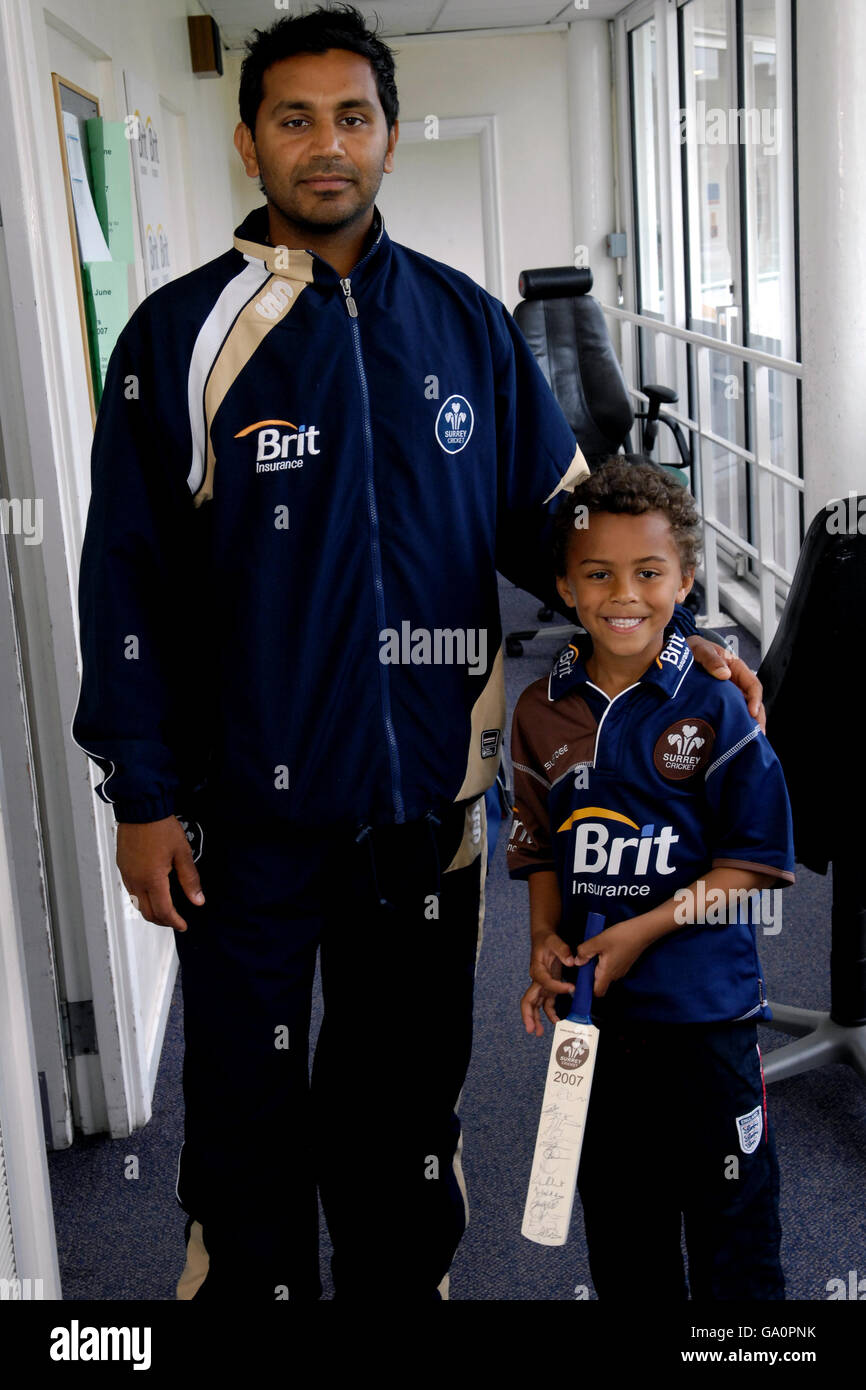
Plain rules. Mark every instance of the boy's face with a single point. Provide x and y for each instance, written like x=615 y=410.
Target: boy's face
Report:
x=624 y=575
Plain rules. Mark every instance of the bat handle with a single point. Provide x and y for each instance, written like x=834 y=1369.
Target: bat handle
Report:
x=582 y=998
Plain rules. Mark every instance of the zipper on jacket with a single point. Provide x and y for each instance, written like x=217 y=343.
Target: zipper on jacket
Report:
x=396 y=790
x=350 y=303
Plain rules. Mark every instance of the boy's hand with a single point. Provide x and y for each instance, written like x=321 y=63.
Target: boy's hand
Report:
x=616 y=949
x=549 y=954
x=720 y=662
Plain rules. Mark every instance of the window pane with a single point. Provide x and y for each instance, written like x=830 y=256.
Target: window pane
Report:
x=784 y=453
x=710 y=159
x=769 y=220
x=768 y=156
x=730 y=472
x=647 y=189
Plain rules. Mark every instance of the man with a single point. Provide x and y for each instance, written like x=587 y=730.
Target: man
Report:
x=311 y=456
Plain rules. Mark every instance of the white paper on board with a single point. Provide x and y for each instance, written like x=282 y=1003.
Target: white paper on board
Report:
x=91 y=240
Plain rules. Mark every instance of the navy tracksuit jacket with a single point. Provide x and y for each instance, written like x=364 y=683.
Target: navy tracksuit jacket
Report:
x=293 y=478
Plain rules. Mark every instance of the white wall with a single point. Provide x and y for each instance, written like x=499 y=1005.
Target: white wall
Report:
x=522 y=81
x=432 y=202
x=245 y=192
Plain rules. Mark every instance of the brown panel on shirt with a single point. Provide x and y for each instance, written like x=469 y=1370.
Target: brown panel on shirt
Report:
x=549 y=739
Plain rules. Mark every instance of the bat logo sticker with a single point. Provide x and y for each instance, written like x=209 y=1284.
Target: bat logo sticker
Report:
x=572 y=1053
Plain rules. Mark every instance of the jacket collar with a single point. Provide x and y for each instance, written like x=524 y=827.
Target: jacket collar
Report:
x=666 y=672
x=251 y=240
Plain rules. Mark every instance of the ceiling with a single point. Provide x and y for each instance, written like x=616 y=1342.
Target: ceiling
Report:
x=236 y=18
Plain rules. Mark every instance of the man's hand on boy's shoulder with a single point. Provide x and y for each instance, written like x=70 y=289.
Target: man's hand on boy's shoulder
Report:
x=722 y=664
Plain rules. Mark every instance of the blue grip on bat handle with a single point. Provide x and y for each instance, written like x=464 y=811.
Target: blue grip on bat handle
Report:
x=582 y=998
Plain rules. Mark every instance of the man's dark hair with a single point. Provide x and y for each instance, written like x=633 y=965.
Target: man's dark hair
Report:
x=326 y=27
x=623 y=486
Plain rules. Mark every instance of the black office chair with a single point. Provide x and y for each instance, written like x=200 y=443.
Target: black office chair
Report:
x=813 y=681
x=566 y=330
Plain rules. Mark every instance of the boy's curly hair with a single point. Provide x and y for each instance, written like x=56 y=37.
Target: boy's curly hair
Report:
x=623 y=486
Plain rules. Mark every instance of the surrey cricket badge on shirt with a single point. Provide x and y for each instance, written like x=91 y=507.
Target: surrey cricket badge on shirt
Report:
x=684 y=749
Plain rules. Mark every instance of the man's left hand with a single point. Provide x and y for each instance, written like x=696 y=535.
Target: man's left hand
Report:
x=719 y=662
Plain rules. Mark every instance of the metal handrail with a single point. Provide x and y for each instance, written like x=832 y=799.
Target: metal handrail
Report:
x=760 y=359
x=769 y=571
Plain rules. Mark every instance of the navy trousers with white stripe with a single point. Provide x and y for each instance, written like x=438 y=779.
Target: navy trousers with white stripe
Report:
x=375 y=1131
x=664 y=1155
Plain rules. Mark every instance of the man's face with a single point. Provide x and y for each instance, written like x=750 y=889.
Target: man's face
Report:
x=321 y=139
x=624 y=576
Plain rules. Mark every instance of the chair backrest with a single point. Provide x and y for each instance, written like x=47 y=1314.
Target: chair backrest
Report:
x=813 y=678
x=566 y=330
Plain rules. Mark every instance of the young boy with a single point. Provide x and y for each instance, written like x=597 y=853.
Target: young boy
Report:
x=644 y=790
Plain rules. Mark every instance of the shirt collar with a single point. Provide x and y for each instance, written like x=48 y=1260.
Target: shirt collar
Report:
x=251 y=239
x=666 y=672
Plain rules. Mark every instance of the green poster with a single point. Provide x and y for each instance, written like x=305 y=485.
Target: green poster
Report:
x=108 y=148
x=106 y=295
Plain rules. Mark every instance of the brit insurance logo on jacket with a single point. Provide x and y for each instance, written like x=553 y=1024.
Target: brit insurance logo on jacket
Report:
x=281 y=445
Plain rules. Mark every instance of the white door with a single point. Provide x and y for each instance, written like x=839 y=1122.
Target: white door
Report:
x=114 y=972
x=443 y=199
x=28 y=1251
x=23 y=822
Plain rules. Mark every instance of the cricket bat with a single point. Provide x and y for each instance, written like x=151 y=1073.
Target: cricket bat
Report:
x=549 y=1201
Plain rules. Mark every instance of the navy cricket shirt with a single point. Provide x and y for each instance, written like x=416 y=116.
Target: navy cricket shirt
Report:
x=629 y=799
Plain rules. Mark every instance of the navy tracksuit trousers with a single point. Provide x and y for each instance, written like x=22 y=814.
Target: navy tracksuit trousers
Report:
x=664 y=1154
x=375 y=1129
